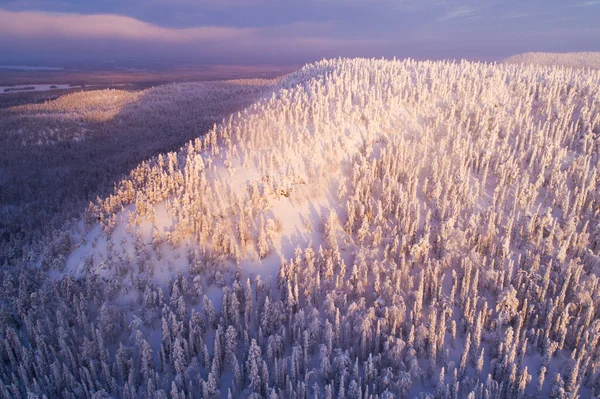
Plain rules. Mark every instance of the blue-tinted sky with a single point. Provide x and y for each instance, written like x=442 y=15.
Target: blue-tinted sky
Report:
x=289 y=31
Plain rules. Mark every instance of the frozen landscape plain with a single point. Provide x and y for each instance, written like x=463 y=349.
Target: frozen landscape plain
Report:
x=359 y=228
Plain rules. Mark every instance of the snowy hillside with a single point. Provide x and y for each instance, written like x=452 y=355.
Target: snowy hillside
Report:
x=572 y=60
x=58 y=155
x=371 y=229
x=90 y=114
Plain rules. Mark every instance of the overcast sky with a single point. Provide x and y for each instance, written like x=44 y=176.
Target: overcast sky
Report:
x=60 y=32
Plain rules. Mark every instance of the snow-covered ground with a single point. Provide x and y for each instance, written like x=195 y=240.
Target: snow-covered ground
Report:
x=34 y=87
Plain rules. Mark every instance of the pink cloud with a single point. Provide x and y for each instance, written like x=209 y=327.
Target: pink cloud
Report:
x=104 y=26
x=111 y=36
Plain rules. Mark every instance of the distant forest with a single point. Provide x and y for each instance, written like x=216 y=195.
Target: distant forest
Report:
x=57 y=156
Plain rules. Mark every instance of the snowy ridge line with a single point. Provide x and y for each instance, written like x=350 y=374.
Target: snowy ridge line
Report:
x=229 y=168
x=589 y=60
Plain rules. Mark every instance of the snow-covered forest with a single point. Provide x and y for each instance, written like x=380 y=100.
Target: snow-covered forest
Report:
x=371 y=229
x=57 y=156
x=572 y=60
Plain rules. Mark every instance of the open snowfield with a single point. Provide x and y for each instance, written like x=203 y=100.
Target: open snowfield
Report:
x=366 y=228
x=43 y=87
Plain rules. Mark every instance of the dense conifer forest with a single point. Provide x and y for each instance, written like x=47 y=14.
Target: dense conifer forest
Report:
x=366 y=229
x=58 y=155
